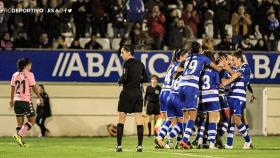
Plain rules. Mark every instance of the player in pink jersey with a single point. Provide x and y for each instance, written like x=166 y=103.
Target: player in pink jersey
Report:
x=21 y=98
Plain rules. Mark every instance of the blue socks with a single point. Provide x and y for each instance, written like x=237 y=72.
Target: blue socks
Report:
x=212 y=131
x=176 y=130
x=164 y=129
x=188 y=131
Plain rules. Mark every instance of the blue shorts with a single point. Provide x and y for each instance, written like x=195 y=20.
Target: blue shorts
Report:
x=212 y=106
x=174 y=106
x=236 y=106
x=223 y=102
x=189 y=96
x=163 y=100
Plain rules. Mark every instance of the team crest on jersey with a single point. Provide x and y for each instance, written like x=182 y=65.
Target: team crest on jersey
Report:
x=157 y=91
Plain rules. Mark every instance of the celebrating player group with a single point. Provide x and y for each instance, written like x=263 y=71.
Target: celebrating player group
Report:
x=205 y=90
x=202 y=91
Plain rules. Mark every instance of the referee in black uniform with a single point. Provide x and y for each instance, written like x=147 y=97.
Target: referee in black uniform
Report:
x=151 y=102
x=131 y=99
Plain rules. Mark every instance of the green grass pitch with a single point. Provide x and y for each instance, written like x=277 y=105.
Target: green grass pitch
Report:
x=56 y=147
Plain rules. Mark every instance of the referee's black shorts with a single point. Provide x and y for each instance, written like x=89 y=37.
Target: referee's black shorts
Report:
x=130 y=101
x=153 y=108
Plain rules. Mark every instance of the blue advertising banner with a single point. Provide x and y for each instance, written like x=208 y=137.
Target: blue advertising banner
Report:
x=106 y=66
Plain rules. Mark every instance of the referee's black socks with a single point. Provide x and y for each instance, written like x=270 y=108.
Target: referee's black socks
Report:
x=119 y=133
x=140 y=131
x=150 y=128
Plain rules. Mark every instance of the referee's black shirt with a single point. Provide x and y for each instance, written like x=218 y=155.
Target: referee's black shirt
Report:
x=152 y=94
x=134 y=73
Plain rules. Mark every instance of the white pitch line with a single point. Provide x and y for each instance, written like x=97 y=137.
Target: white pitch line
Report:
x=147 y=151
x=8 y=143
x=126 y=150
x=182 y=154
x=70 y=146
x=185 y=154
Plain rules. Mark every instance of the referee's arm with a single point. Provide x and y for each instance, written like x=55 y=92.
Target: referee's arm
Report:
x=146 y=95
x=145 y=77
x=124 y=76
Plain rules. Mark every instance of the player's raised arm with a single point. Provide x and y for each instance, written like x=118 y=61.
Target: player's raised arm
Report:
x=215 y=67
x=227 y=67
x=228 y=81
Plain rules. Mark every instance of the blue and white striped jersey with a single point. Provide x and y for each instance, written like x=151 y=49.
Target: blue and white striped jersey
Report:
x=175 y=85
x=239 y=86
x=167 y=84
x=192 y=70
x=210 y=83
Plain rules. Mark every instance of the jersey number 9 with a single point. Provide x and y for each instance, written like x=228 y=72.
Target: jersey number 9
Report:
x=192 y=66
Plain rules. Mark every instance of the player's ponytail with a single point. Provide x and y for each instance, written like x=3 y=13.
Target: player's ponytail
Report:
x=195 y=47
x=174 y=56
x=177 y=53
x=22 y=63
